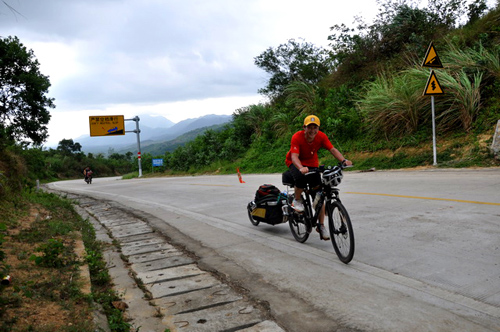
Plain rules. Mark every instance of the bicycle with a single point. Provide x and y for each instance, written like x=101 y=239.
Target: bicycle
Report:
x=339 y=222
x=88 y=178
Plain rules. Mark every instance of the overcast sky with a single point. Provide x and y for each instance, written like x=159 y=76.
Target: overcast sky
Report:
x=178 y=59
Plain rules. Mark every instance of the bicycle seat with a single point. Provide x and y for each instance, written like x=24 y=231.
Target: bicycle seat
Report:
x=287 y=179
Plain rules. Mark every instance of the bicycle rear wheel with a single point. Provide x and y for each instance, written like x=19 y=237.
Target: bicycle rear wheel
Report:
x=341 y=232
x=252 y=220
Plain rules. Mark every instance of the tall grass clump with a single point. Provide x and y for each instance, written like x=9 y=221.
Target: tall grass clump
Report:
x=479 y=59
x=303 y=98
x=394 y=105
x=463 y=100
x=254 y=116
x=282 y=123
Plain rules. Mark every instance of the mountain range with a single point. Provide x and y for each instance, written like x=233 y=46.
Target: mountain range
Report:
x=155 y=134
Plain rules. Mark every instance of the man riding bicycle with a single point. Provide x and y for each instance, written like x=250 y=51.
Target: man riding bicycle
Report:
x=87 y=173
x=304 y=154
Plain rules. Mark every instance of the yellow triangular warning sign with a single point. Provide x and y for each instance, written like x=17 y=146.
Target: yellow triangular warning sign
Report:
x=433 y=87
x=431 y=58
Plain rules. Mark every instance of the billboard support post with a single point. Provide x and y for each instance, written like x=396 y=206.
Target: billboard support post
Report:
x=106 y=125
x=137 y=131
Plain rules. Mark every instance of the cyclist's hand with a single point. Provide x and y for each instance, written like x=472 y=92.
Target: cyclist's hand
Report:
x=304 y=170
x=347 y=162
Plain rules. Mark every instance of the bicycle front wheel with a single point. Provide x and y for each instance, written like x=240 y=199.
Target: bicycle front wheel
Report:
x=298 y=227
x=341 y=232
x=297 y=223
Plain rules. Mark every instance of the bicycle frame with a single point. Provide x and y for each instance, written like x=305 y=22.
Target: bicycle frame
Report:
x=312 y=215
x=339 y=223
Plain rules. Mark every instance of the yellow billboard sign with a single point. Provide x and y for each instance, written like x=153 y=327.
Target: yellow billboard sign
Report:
x=107 y=125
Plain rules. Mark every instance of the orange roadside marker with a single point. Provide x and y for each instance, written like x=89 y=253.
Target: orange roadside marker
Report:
x=239 y=175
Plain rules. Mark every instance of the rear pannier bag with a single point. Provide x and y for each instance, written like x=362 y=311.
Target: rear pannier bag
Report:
x=265 y=191
x=269 y=202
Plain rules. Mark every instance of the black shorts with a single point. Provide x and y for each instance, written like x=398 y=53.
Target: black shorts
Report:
x=301 y=180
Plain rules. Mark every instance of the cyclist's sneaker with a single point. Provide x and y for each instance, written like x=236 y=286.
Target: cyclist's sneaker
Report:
x=323 y=233
x=297 y=205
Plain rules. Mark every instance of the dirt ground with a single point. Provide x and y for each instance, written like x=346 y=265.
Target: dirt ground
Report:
x=37 y=297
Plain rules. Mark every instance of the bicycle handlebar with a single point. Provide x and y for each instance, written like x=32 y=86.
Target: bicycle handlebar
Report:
x=322 y=168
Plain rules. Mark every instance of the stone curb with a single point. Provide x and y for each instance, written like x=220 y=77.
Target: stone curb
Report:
x=163 y=286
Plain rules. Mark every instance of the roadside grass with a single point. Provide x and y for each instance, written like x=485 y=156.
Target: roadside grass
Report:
x=129 y=176
x=453 y=151
x=456 y=150
x=45 y=293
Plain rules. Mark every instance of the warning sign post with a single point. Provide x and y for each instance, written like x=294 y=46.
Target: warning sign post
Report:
x=433 y=88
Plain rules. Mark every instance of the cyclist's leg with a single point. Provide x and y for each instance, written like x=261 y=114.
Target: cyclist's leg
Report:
x=314 y=181
x=321 y=229
x=300 y=181
x=300 y=184
x=321 y=216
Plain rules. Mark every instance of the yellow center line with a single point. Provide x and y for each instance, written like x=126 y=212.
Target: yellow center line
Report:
x=428 y=198
x=211 y=185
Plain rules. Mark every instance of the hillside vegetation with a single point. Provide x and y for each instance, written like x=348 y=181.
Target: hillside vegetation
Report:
x=367 y=89
x=368 y=92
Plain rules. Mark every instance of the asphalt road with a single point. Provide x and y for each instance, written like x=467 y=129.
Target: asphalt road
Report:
x=427 y=247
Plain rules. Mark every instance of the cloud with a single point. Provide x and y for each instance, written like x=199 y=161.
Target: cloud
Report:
x=141 y=51
x=103 y=54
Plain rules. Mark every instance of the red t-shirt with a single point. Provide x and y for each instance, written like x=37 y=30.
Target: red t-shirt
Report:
x=308 y=152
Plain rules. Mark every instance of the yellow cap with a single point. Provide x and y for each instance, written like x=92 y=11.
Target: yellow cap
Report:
x=311 y=119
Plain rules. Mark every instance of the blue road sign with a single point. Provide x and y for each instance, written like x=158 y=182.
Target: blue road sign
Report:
x=157 y=162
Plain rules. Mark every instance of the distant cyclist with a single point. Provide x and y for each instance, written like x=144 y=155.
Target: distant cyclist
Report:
x=304 y=154
x=87 y=172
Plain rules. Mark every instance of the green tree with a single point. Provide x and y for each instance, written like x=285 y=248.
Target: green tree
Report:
x=68 y=147
x=293 y=61
x=475 y=10
x=23 y=89
x=400 y=32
